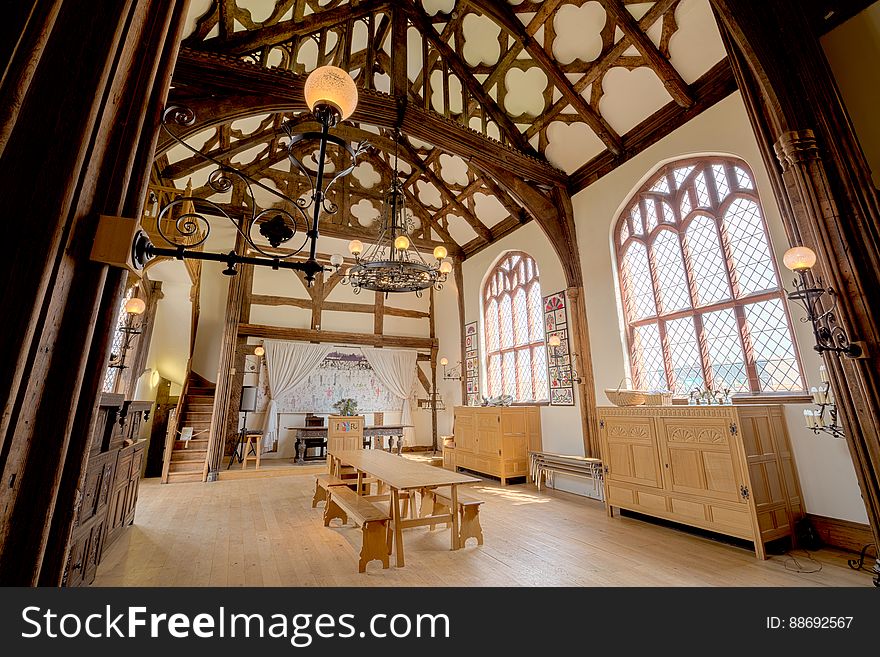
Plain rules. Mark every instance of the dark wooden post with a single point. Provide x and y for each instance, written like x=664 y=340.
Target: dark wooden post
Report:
x=78 y=142
x=825 y=193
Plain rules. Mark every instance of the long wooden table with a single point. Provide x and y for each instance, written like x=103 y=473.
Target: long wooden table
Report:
x=399 y=474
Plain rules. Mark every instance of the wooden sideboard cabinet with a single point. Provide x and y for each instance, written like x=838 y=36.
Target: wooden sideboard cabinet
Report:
x=496 y=440
x=728 y=469
x=345 y=432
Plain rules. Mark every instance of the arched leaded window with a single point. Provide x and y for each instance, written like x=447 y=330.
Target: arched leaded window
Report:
x=701 y=295
x=516 y=357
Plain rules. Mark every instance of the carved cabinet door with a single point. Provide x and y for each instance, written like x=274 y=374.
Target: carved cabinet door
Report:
x=630 y=452
x=699 y=457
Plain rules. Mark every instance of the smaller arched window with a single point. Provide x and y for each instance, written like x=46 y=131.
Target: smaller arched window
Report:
x=701 y=295
x=513 y=330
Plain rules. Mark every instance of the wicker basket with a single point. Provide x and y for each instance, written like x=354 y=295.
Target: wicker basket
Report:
x=658 y=399
x=620 y=397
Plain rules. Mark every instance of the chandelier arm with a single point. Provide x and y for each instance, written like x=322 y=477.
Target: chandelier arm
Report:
x=187 y=224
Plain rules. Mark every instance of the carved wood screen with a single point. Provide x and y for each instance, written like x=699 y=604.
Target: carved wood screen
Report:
x=513 y=330
x=702 y=300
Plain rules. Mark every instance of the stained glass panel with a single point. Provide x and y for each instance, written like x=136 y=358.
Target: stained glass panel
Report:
x=637 y=282
x=748 y=245
x=684 y=355
x=726 y=360
x=650 y=371
x=771 y=343
x=671 y=281
x=707 y=261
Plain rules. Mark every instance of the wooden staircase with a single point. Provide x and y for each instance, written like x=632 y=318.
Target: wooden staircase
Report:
x=188 y=457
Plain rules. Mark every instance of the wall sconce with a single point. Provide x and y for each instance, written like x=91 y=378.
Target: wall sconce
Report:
x=259 y=351
x=133 y=308
x=822 y=397
x=453 y=374
x=808 y=293
x=554 y=345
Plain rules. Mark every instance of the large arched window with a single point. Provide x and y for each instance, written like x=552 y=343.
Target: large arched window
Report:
x=516 y=357
x=701 y=294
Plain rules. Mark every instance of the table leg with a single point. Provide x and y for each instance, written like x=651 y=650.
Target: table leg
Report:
x=398 y=530
x=454 y=511
x=300 y=450
x=259 y=450
x=360 y=485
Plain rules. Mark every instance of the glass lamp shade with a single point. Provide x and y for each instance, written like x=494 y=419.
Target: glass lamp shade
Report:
x=356 y=247
x=135 y=306
x=329 y=85
x=444 y=361
x=336 y=260
x=401 y=243
x=554 y=341
x=440 y=252
x=259 y=351
x=445 y=267
x=799 y=258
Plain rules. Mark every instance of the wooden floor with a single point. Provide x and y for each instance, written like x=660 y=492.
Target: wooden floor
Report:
x=263 y=532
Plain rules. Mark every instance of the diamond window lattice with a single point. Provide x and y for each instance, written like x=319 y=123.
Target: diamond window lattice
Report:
x=661 y=186
x=539 y=372
x=680 y=175
x=536 y=314
x=707 y=262
x=650 y=371
x=668 y=217
x=721 y=185
x=685 y=204
x=771 y=343
x=624 y=232
x=743 y=180
x=637 y=220
x=671 y=280
x=702 y=191
x=749 y=248
x=726 y=360
x=637 y=281
x=684 y=356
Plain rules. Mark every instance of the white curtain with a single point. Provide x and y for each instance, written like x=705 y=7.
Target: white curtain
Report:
x=288 y=365
x=396 y=369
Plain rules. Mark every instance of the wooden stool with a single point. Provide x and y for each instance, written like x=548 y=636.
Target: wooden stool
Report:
x=251 y=445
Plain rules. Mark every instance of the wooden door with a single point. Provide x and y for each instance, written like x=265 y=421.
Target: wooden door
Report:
x=699 y=457
x=488 y=441
x=630 y=451
x=345 y=433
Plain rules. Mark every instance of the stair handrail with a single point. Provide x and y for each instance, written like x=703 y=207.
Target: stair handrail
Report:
x=174 y=424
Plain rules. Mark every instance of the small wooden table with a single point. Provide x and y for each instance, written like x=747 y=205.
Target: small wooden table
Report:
x=316 y=437
x=399 y=473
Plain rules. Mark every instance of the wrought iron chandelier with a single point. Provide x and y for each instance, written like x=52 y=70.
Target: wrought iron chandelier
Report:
x=332 y=96
x=393 y=264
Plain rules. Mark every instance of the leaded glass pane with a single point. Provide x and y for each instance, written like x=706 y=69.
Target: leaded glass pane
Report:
x=721 y=185
x=520 y=318
x=662 y=185
x=743 y=180
x=685 y=204
x=492 y=325
x=684 y=355
x=707 y=261
x=636 y=216
x=509 y=365
x=667 y=216
x=671 y=281
x=536 y=315
x=506 y=322
x=681 y=174
x=726 y=359
x=624 y=231
x=524 y=374
x=650 y=371
x=749 y=248
x=539 y=372
x=702 y=191
x=639 y=291
x=771 y=343
x=493 y=373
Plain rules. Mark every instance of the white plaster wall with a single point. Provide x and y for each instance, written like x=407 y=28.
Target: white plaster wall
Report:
x=825 y=468
x=853 y=50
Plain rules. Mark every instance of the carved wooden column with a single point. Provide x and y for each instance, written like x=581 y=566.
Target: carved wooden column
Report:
x=90 y=94
x=823 y=185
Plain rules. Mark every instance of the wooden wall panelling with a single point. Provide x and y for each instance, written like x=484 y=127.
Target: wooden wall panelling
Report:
x=826 y=196
x=843 y=534
x=55 y=345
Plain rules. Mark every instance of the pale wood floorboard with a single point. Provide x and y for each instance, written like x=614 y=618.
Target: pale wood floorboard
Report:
x=263 y=532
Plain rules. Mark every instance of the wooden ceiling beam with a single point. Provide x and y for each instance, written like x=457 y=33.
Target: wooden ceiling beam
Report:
x=240 y=43
x=601 y=65
x=715 y=85
x=507 y=126
x=337 y=337
x=515 y=209
x=671 y=78
x=501 y=13
x=221 y=89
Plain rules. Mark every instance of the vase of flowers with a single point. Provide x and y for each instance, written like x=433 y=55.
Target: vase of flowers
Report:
x=346 y=406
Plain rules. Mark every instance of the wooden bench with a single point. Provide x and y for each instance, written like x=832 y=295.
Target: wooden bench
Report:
x=345 y=504
x=468 y=507
x=323 y=483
